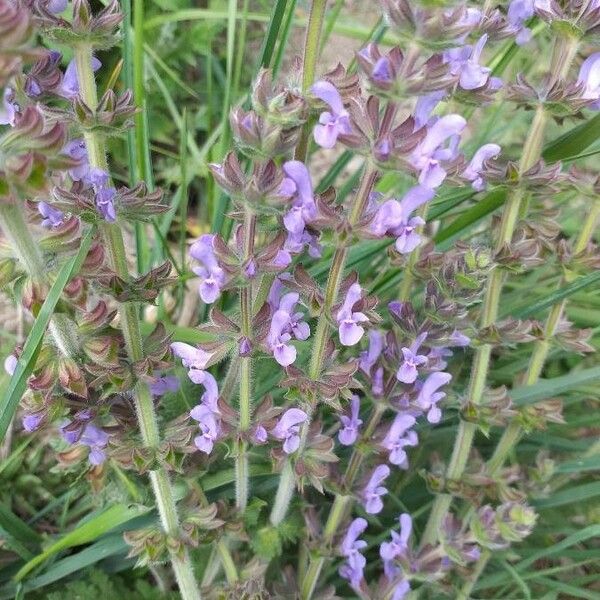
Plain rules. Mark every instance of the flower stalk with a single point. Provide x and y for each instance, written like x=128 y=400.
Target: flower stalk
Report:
x=161 y=485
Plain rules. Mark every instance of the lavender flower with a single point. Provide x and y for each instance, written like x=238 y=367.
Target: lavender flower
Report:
x=288 y=428
x=519 y=12
x=162 y=385
x=9 y=109
x=440 y=144
x=56 y=6
x=211 y=274
x=394 y=218
x=397 y=548
x=10 y=364
x=77 y=150
x=52 y=216
x=350 y=424
x=369 y=357
x=464 y=62
x=105 y=194
x=398 y=437
x=408 y=371
x=286 y=322
x=348 y=321
x=473 y=170
x=191 y=356
x=32 y=422
x=96 y=440
x=209 y=425
x=373 y=491
x=334 y=123
x=589 y=78
x=211 y=391
x=69 y=87
x=353 y=568
x=424 y=107
x=429 y=396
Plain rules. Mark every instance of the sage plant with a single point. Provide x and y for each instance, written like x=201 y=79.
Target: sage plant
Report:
x=350 y=345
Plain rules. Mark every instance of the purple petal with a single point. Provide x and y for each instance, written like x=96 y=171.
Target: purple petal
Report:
x=10 y=364
x=328 y=93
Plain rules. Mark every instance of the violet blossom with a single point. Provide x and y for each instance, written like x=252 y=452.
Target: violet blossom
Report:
x=52 y=216
x=350 y=423
x=285 y=323
x=440 y=144
x=334 y=123
x=69 y=87
x=464 y=62
x=288 y=429
x=353 y=569
x=9 y=109
x=396 y=548
x=191 y=357
x=424 y=107
x=163 y=384
x=398 y=437
x=56 y=6
x=473 y=170
x=209 y=425
x=104 y=193
x=211 y=390
x=93 y=437
x=348 y=321
x=10 y=364
x=429 y=396
x=393 y=218
x=212 y=276
x=369 y=357
x=589 y=78
x=408 y=371
x=519 y=12
x=77 y=150
x=32 y=422
x=374 y=490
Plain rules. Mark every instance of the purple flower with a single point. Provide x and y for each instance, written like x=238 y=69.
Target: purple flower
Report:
x=334 y=123
x=161 y=385
x=369 y=357
x=211 y=391
x=10 y=364
x=350 y=424
x=349 y=329
x=191 y=356
x=211 y=274
x=397 y=548
x=398 y=437
x=473 y=170
x=464 y=62
x=56 y=6
x=69 y=87
x=288 y=428
x=259 y=435
x=440 y=144
x=520 y=11
x=429 y=396
x=105 y=194
x=209 y=425
x=286 y=322
x=9 y=109
x=96 y=440
x=459 y=339
x=394 y=218
x=424 y=107
x=374 y=490
x=589 y=78
x=353 y=568
x=32 y=422
x=408 y=371
x=76 y=150
x=52 y=216
x=402 y=588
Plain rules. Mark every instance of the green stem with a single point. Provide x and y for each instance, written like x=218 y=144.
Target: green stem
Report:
x=481 y=362
x=311 y=55
x=413 y=258
x=161 y=485
x=334 y=279
x=22 y=243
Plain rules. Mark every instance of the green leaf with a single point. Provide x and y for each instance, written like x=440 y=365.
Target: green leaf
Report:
x=18 y=382
x=87 y=532
x=588 y=463
x=569 y=495
x=573 y=142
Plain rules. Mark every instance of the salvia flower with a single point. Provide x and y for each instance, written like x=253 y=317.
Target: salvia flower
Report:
x=331 y=123
x=32 y=422
x=408 y=371
x=474 y=169
x=77 y=150
x=69 y=87
x=464 y=63
x=348 y=321
x=589 y=78
x=519 y=12
x=164 y=384
x=104 y=193
x=209 y=425
x=372 y=493
x=350 y=423
x=288 y=429
x=398 y=437
x=93 y=437
x=429 y=396
x=369 y=357
x=52 y=216
x=285 y=323
x=212 y=276
x=397 y=547
x=211 y=391
x=424 y=107
x=56 y=6
x=191 y=357
x=8 y=109
x=440 y=144
x=353 y=569
x=10 y=364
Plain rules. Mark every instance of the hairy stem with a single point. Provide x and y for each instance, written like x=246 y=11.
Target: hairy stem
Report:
x=481 y=362
x=161 y=485
x=321 y=337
